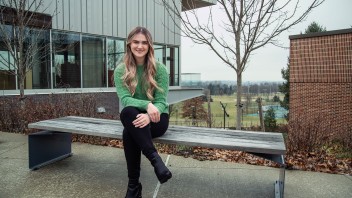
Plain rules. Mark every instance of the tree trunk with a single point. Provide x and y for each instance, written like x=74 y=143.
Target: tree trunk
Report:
x=21 y=83
x=22 y=104
x=238 y=103
x=259 y=100
x=209 y=109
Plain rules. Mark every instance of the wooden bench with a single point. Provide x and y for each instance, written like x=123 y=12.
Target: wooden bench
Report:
x=54 y=143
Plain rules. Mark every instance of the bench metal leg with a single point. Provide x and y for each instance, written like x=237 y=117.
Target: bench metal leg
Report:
x=46 y=147
x=279 y=184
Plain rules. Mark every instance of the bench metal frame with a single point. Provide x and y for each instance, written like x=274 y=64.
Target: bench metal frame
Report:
x=54 y=143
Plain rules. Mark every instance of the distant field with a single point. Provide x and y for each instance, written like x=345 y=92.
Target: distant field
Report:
x=230 y=101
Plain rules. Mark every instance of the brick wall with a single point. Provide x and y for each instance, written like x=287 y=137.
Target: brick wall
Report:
x=321 y=77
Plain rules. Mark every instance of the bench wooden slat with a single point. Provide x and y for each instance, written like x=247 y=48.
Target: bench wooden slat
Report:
x=257 y=142
x=228 y=134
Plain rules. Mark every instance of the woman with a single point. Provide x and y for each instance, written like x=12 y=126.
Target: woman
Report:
x=142 y=86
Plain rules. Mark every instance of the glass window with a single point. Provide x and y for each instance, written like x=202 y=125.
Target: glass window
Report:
x=4 y=60
x=6 y=35
x=66 y=60
x=168 y=65
x=7 y=70
x=172 y=64
x=116 y=51
x=177 y=67
x=170 y=57
x=93 y=62
x=159 y=53
x=37 y=46
x=7 y=67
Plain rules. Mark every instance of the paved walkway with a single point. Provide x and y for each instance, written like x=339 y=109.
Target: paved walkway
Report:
x=97 y=171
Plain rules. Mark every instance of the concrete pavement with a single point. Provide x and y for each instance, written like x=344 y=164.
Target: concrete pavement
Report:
x=97 y=171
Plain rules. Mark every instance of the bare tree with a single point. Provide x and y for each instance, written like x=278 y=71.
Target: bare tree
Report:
x=245 y=26
x=22 y=26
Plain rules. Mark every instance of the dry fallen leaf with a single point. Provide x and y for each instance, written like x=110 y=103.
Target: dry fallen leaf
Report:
x=312 y=161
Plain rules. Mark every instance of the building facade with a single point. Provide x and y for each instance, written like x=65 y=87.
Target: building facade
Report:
x=84 y=41
x=321 y=77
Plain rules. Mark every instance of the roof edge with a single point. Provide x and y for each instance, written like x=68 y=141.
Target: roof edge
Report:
x=195 y=4
x=318 y=34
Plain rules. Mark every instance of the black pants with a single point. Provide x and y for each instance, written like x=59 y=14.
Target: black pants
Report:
x=137 y=140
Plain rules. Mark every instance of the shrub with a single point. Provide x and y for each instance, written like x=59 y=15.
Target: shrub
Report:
x=345 y=139
x=276 y=98
x=308 y=134
x=269 y=120
x=15 y=115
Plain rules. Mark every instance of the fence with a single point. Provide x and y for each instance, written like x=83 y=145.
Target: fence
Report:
x=202 y=123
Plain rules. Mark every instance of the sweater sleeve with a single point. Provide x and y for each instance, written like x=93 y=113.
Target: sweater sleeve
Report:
x=124 y=94
x=160 y=96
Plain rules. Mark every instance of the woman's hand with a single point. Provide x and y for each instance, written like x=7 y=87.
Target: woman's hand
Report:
x=141 y=121
x=153 y=113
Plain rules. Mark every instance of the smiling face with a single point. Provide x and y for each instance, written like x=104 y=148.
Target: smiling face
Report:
x=139 y=47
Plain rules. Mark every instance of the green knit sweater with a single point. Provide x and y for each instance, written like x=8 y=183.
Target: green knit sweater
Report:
x=140 y=99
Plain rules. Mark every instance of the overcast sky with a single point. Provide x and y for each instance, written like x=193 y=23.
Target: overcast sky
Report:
x=266 y=63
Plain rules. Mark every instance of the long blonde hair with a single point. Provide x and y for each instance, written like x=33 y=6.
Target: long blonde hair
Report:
x=129 y=77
